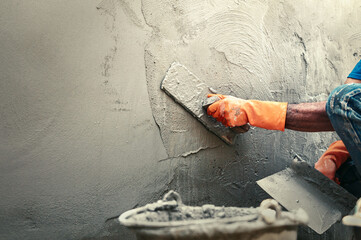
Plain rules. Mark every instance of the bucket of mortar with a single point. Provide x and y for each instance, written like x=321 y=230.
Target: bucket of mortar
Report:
x=354 y=220
x=170 y=219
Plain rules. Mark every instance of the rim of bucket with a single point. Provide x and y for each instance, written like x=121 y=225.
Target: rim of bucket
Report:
x=235 y=224
x=172 y=199
x=124 y=219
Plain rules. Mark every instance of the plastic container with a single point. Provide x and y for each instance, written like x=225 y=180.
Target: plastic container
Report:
x=170 y=219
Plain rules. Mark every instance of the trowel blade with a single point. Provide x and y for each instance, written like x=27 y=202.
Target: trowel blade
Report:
x=189 y=91
x=302 y=186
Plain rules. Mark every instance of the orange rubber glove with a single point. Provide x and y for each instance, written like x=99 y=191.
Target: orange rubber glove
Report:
x=332 y=159
x=232 y=112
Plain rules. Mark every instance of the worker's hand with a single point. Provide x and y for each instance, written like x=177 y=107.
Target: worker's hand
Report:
x=327 y=167
x=228 y=110
x=332 y=159
x=232 y=112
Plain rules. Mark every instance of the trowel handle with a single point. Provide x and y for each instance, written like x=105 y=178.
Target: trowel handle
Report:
x=209 y=101
x=241 y=129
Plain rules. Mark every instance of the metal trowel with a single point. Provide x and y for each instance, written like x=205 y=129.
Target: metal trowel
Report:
x=190 y=92
x=302 y=186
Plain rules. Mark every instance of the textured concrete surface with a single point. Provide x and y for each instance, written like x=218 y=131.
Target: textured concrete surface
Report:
x=86 y=133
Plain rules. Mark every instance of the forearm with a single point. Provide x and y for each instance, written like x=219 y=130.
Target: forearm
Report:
x=308 y=117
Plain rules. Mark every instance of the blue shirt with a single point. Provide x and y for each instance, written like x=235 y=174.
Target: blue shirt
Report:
x=356 y=72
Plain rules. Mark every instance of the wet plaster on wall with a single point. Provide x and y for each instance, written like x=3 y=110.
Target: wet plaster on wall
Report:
x=87 y=134
x=267 y=50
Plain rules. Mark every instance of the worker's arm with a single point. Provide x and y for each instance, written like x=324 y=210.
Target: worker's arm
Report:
x=308 y=117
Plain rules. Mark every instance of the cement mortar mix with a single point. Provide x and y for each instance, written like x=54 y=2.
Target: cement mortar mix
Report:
x=169 y=219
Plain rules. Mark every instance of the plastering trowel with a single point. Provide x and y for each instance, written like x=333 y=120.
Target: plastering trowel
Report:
x=190 y=92
x=302 y=186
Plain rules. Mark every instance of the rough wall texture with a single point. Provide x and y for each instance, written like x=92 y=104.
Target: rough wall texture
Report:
x=86 y=133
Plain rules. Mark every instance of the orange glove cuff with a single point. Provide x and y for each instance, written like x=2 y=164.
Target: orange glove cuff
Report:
x=268 y=115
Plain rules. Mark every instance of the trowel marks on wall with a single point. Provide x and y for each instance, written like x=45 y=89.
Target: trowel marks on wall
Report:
x=253 y=49
x=225 y=44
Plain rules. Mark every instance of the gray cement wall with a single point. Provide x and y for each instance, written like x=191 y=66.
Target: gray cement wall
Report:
x=86 y=134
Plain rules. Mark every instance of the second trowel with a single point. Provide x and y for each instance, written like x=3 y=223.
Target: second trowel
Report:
x=190 y=92
x=302 y=186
